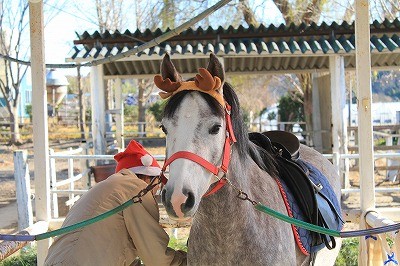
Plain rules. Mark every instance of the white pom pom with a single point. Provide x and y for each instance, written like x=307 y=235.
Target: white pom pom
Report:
x=147 y=160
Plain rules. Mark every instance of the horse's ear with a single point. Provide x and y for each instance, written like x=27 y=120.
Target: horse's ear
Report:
x=215 y=68
x=168 y=70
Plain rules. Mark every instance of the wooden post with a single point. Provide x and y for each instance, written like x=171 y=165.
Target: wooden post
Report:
x=23 y=189
x=53 y=182
x=119 y=121
x=98 y=110
x=363 y=77
x=71 y=175
x=317 y=134
x=82 y=104
x=40 y=125
x=339 y=124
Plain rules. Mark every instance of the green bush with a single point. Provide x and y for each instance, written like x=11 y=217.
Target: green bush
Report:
x=131 y=113
x=178 y=244
x=348 y=255
x=28 y=110
x=157 y=110
x=26 y=257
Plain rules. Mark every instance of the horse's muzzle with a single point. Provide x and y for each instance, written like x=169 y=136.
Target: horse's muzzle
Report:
x=179 y=205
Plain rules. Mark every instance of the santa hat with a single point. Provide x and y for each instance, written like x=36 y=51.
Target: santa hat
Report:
x=138 y=160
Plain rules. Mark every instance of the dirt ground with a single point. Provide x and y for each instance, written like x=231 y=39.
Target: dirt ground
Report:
x=8 y=213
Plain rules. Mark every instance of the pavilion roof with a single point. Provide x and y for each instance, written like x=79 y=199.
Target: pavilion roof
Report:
x=291 y=48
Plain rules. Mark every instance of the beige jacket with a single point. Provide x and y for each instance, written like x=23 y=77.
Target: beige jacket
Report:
x=120 y=238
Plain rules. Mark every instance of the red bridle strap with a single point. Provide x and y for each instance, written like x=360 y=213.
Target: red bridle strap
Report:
x=193 y=157
x=226 y=156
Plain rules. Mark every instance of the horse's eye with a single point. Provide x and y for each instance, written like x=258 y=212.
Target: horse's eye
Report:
x=215 y=129
x=163 y=129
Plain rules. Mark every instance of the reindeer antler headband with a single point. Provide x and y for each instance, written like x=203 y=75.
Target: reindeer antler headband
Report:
x=203 y=82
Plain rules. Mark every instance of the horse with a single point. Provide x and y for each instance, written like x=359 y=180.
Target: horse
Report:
x=207 y=145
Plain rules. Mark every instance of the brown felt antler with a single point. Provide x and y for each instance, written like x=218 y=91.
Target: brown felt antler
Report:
x=166 y=84
x=205 y=81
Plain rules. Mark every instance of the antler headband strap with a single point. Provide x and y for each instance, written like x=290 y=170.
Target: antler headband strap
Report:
x=203 y=82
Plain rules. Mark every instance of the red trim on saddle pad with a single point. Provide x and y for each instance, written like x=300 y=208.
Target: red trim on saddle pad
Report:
x=290 y=214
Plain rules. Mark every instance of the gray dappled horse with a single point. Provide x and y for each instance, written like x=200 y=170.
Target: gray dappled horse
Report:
x=225 y=230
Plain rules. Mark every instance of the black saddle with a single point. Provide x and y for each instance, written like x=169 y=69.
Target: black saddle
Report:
x=317 y=208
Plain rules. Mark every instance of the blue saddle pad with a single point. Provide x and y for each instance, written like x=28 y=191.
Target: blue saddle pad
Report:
x=303 y=237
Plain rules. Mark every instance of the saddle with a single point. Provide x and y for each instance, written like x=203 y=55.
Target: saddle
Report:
x=309 y=189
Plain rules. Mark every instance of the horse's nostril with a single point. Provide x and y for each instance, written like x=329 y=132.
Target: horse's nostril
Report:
x=189 y=201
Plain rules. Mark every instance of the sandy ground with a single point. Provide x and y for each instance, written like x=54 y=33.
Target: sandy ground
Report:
x=8 y=206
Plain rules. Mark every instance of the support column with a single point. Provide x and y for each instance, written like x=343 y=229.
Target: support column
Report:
x=364 y=95
x=339 y=123
x=317 y=127
x=119 y=116
x=98 y=110
x=40 y=126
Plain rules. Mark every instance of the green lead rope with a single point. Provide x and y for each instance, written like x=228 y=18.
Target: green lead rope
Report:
x=257 y=206
x=315 y=228
x=311 y=227
x=84 y=223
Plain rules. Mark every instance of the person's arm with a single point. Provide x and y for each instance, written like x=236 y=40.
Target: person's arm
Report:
x=149 y=238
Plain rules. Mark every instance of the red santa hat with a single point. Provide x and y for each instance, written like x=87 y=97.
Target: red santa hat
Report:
x=138 y=160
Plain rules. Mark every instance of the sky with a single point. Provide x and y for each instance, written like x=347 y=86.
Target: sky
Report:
x=68 y=17
x=64 y=17
x=59 y=32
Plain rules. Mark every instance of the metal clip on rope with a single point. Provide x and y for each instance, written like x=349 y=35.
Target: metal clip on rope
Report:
x=243 y=196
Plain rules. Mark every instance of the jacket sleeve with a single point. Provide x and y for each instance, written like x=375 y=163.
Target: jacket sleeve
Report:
x=149 y=238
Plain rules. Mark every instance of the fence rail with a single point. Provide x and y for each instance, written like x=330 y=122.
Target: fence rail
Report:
x=375 y=219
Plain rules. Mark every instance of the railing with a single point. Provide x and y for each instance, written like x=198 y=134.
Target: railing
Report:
x=374 y=219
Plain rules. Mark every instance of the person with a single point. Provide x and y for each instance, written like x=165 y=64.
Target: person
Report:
x=122 y=237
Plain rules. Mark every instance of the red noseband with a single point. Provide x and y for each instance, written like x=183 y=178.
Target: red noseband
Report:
x=215 y=170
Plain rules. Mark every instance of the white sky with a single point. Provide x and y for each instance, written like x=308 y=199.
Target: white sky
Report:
x=75 y=16
x=59 y=32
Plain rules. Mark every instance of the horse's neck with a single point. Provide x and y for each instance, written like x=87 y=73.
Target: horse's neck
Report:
x=232 y=230
x=245 y=175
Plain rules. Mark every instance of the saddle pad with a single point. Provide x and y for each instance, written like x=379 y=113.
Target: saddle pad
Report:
x=304 y=237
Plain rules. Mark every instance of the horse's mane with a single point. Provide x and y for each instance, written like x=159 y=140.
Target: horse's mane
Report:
x=263 y=159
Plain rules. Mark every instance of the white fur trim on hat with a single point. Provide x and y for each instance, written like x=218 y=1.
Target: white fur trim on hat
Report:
x=146 y=170
x=146 y=160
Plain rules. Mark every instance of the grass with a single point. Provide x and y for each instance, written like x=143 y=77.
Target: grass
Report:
x=178 y=244
x=348 y=255
x=25 y=257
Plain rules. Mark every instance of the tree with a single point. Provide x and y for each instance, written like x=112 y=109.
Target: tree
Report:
x=157 y=110
x=13 y=28
x=290 y=109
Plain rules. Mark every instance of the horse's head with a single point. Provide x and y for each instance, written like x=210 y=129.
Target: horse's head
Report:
x=195 y=127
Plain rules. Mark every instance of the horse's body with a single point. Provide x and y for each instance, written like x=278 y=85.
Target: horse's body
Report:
x=226 y=230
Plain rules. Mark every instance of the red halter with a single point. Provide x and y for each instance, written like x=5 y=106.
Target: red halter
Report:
x=226 y=156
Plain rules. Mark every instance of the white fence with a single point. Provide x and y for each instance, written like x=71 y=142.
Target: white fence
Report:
x=374 y=219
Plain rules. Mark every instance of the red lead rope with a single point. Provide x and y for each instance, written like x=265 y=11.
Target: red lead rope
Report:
x=226 y=156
